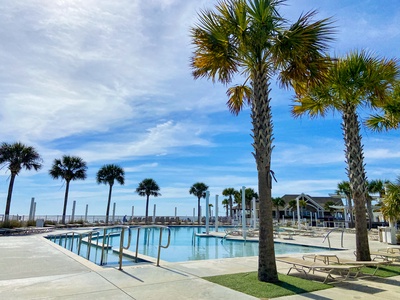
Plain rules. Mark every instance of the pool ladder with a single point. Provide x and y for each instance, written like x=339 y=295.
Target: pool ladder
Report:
x=107 y=233
x=329 y=241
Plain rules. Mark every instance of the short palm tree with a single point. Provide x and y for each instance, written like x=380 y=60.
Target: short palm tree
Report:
x=343 y=188
x=225 y=203
x=354 y=81
x=148 y=187
x=16 y=157
x=391 y=202
x=302 y=205
x=229 y=192
x=251 y=38
x=278 y=202
x=68 y=168
x=199 y=190
x=108 y=174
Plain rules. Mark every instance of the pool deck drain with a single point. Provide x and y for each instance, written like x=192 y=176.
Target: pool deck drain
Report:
x=35 y=268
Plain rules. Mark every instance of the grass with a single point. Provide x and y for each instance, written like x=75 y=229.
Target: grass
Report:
x=248 y=283
x=385 y=271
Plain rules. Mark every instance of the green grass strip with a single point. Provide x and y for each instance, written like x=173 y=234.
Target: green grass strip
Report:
x=384 y=271
x=248 y=283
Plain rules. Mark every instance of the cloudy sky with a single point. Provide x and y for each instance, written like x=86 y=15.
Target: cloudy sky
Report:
x=110 y=81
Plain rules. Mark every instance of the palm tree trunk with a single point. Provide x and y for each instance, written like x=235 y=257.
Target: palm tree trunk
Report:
x=147 y=210
x=231 y=206
x=351 y=212
x=108 y=203
x=262 y=136
x=357 y=179
x=9 y=196
x=369 y=211
x=65 y=201
x=198 y=211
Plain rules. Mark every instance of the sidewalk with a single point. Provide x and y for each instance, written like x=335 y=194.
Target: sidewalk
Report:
x=35 y=268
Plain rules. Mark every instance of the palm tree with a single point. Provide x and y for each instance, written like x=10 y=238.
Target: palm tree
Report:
x=68 y=168
x=390 y=119
x=249 y=37
x=229 y=192
x=391 y=202
x=357 y=80
x=327 y=207
x=16 y=157
x=278 y=202
x=148 y=187
x=108 y=174
x=343 y=188
x=226 y=203
x=302 y=205
x=199 y=190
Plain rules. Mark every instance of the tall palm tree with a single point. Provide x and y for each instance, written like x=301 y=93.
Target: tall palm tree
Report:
x=148 y=187
x=229 y=192
x=16 y=157
x=278 y=202
x=108 y=174
x=357 y=80
x=68 y=168
x=343 y=188
x=225 y=203
x=199 y=190
x=250 y=38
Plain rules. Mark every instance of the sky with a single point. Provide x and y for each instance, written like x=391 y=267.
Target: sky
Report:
x=110 y=82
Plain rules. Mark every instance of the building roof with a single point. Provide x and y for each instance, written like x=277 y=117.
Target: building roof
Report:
x=320 y=200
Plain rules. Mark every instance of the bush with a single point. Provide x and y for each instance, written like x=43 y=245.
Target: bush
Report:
x=11 y=224
x=31 y=223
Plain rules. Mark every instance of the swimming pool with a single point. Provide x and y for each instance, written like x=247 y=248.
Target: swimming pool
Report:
x=184 y=246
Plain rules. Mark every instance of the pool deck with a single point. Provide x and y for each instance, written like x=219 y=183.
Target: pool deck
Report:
x=32 y=267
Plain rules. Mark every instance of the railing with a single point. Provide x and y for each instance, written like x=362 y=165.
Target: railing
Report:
x=90 y=235
x=327 y=236
x=147 y=227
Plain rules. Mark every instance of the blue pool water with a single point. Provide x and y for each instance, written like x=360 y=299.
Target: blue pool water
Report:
x=184 y=246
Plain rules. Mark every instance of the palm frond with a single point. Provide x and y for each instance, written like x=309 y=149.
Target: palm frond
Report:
x=239 y=96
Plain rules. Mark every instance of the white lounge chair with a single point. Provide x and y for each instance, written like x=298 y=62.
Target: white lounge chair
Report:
x=306 y=267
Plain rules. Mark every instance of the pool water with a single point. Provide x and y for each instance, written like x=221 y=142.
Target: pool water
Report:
x=185 y=246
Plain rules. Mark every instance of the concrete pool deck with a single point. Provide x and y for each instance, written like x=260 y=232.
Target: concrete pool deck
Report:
x=32 y=267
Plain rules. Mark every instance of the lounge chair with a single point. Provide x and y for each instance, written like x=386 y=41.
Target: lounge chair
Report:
x=306 y=267
x=328 y=259
x=386 y=256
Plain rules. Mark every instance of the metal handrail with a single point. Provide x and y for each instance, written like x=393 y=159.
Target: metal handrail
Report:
x=121 y=243
x=329 y=241
x=161 y=227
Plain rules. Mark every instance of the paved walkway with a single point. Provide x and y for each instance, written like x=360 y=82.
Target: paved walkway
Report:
x=32 y=267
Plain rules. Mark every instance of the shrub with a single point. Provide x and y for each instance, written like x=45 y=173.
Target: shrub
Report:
x=11 y=224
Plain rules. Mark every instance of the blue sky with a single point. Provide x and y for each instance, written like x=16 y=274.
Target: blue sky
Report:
x=110 y=81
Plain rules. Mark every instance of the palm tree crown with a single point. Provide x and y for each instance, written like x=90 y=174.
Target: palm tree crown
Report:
x=248 y=37
x=108 y=174
x=68 y=168
x=148 y=187
x=15 y=157
x=199 y=190
x=229 y=192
